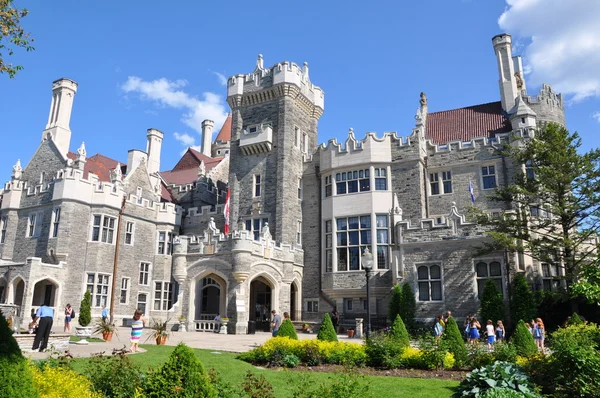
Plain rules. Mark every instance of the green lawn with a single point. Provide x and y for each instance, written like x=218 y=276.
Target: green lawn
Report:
x=233 y=371
x=90 y=339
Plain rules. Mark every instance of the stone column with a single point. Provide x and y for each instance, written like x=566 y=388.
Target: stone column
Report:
x=180 y=248
x=359 y=328
x=239 y=305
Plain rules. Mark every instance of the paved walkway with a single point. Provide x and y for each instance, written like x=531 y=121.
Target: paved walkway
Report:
x=205 y=340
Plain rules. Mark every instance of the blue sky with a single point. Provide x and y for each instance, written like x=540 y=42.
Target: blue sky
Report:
x=142 y=64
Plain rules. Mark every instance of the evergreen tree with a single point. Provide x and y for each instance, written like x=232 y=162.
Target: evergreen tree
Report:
x=16 y=380
x=85 y=309
x=395 y=303
x=492 y=304
x=326 y=331
x=523 y=341
x=408 y=308
x=399 y=333
x=287 y=330
x=576 y=319
x=522 y=303
x=452 y=341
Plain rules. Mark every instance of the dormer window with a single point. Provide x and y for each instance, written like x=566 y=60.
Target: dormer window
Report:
x=252 y=129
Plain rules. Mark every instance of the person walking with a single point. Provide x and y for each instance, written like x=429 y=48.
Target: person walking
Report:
x=491 y=334
x=275 y=323
x=104 y=313
x=500 y=331
x=137 y=326
x=467 y=326
x=335 y=317
x=447 y=316
x=538 y=334
x=474 y=330
x=68 y=318
x=45 y=318
x=438 y=329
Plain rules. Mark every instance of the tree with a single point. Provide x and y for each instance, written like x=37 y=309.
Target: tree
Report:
x=395 y=303
x=523 y=341
x=287 y=330
x=522 y=302
x=452 y=341
x=12 y=35
x=399 y=333
x=408 y=307
x=553 y=204
x=326 y=331
x=85 y=309
x=16 y=377
x=588 y=284
x=492 y=304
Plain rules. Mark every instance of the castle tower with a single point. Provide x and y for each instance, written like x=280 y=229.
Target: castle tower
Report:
x=153 y=148
x=207 y=131
x=63 y=93
x=506 y=69
x=275 y=112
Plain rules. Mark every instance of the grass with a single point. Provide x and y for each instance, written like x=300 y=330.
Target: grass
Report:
x=233 y=371
x=90 y=339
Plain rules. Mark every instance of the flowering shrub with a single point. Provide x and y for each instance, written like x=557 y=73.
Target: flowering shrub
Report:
x=57 y=382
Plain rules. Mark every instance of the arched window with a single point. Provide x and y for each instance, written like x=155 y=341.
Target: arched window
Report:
x=488 y=270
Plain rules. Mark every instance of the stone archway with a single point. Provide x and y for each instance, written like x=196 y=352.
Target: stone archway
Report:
x=207 y=296
x=18 y=291
x=295 y=302
x=261 y=302
x=45 y=292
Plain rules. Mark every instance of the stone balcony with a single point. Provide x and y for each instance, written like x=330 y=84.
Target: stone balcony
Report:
x=257 y=139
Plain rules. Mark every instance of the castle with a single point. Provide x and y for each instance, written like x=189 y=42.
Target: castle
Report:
x=303 y=217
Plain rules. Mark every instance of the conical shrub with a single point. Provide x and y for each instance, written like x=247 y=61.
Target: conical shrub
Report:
x=408 y=307
x=492 y=304
x=452 y=341
x=287 y=330
x=395 y=303
x=327 y=331
x=399 y=333
x=85 y=309
x=16 y=380
x=522 y=303
x=523 y=341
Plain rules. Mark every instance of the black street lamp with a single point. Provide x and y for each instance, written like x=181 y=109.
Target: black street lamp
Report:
x=367 y=264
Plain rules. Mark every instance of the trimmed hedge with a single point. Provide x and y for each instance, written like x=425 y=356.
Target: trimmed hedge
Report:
x=327 y=331
x=399 y=333
x=408 y=307
x=452 y=341
x=523 y=340
x=395 y=303
x=85 y=309
x=287 y=330
x=492 y=304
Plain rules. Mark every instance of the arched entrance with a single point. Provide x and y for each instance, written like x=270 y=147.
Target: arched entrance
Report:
x=294 y=314
x=18 y=290
x=261 y=303
x=44 y=292
x=210 y=298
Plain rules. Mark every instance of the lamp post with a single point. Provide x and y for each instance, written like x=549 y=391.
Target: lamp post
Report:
x=367 y=264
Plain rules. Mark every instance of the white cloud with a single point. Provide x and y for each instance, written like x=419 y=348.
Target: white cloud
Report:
x=168 y=93
x=563 y=43
x=596 y=116
x=222 y=78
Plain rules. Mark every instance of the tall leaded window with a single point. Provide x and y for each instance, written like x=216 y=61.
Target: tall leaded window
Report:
x=551 y=277
x=98 y=285
x=447 y=181
x=124 y=297
x=380 y=179
x=488 y=270
x=144 y=273
x=352 y=181
x=165 y=240
x=328 y=247
x=434 y=183
x=429 y=279
x=488 y=175
x=529 y=173
x=328 y=186
x=142 y=300
x=255 y=226
x=129 y=233
x=353 y=236
x=103 y=228
x=299 y=233
x=382 y=241
x=55 y=222
x=162 y=296
x=257 y=185
x=3 y=228
x=443 y=186
x=34 y=225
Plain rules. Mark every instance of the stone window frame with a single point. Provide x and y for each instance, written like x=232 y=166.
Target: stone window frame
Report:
x=328 y=229
x=300 y=189
x=144 y=274
x=488 y=261
x=106 y=294
x=126 y=289
x=257 y=185
x=110 y=231
x=56 y=213
x=311 y=304
x=251 y=221
x=442 y=180
x=429 y=281
x=139 y=193
x=380 y=175
x=3 y=228
x=299 y=233
x=360 y=176
x=164 y=246
x=129 y=233
x=348 y=246
x=382 y=247
x=34 y=230
x=297 y=137
x=328 y=187
x=550 y=273
x=138 y=302
x=485 y=173
x=165 y=298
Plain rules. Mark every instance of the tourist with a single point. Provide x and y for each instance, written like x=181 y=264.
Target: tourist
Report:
x=447 y=316
x=286 y=316
x=44 y=317
x=500 y=331
x=275 y=323
x=474 y=330
x=68 y=318
x=538 y=334
x=335 y=317
x=441 y=321
x=104 y=313
x=217 y=323
x=438 y=329
x=491 y=334
x=531 y=327
x=467 y=326
x=137 y=326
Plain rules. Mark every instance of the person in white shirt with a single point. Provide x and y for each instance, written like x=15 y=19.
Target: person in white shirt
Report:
x=491 y=334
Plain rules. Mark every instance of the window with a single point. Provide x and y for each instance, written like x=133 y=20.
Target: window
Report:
x=446 y=183
x=42 y=177
x=348 y=304
x=380 y=179
x=352 y=181
x=162 y=296
x=257 y=185
x=434 y=183
x=255 y=225
x=529 y=173
x=312 y=306
x=429 y=279
x=534 y=211
x=304 y=143
x=300 y=188
x=299 y=233
x=144 y=273
x=139 y=195
x=353 y=236
x=328 y=247
x=551 y=277
x=365 y=304
x=165 y=239
x=3 y=229
x=488 y=271
x=34 y=224
x=129 y=233
x=488 y=174
x=382 y=241
x=297 y=137
x=103 y=228
x=142 y=299
x=97 y=284
x=124 y=298
x=55 y=222
x=327 y=186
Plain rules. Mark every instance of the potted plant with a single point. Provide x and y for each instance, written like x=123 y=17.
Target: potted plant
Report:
x=106 y=329
x=160 y=331
x=306 y=328
x=350 y=333
x=83 y=331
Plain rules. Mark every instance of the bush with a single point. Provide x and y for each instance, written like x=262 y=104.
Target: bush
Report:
x=85 y=309
x=114 y=376
x=257 y=387
x=408 y=308
x=381 y=350
x=522 y=303
x=15 y=377
x=575 y=319
x=502 y=393
x=523 y=340
x=291 y=361
x=395 y=303
x=326 y=331
x=399 y=333
x=505 y=352
x=287 y=330
x=453 y=342
x=339 y=385
x=434 y=356
x=57 y=382
x=498 y=375
x=479 y=356
x=224 y=389
x=181 y=375
x=540 y=370
x=492 y=304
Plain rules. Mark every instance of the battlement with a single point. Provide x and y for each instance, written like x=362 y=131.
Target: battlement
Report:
x=546 y=95
x=284 y=73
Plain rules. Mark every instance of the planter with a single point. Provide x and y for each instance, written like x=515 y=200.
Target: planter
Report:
x=83 y=333
x=107 y=336
x=223 y=328
x=181 y=327
x=161 y=340
x=350 y=333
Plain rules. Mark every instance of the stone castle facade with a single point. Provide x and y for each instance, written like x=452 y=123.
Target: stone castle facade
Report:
x=302 y=215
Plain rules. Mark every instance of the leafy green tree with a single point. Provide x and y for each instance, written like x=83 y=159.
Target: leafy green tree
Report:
x=523 y=341
x=12 y=35
x=522 y=303
x=588 y=284
x=85 y=309
x=17 y=381
x=395 y=303
x=492 y=304
x=452 y=341
x=287 y=330
x=408 y=307
x=399 y=332
x=326 y=331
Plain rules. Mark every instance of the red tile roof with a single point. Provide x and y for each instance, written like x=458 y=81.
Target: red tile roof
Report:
x=225 y=132
x=99 y=165
x=186 y=170
x=464 y=124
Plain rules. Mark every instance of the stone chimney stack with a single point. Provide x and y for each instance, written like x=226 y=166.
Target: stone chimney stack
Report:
x=506 y=69
x=153 y=148
x=207 y=130
x=57 y=129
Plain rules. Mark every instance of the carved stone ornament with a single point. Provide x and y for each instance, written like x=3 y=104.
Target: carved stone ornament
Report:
x=423 y=99
x=201 y=169
x=81 y=151
x=265 y=233
x=17 y=170
x=519 y=80
x=116 y=174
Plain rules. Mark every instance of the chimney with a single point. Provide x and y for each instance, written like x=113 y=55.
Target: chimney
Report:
x=153 y=148
x=207 y=130
x=134 y=158
x=506 y=69
x=57 y=129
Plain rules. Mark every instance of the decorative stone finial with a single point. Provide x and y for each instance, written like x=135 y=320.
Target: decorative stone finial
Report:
x=519 y=80
x=81 y=151
x=201 y=169
x=259 y=62
x=351 y=131
x=423 y=100
x=17 y=170
x=116 y=174
x=305 y=71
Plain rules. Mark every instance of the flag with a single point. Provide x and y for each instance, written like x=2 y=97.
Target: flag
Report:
x=471 y=192
x=226 y=212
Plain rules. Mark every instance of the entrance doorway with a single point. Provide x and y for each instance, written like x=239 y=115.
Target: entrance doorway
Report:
x=261 y=303
x=44 y=292
x=208 y=295
x=293 y=302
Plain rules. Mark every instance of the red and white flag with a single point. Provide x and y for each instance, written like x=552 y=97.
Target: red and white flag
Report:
x=226 y=212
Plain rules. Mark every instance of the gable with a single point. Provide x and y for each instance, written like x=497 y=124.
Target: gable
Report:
x=139 y=178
